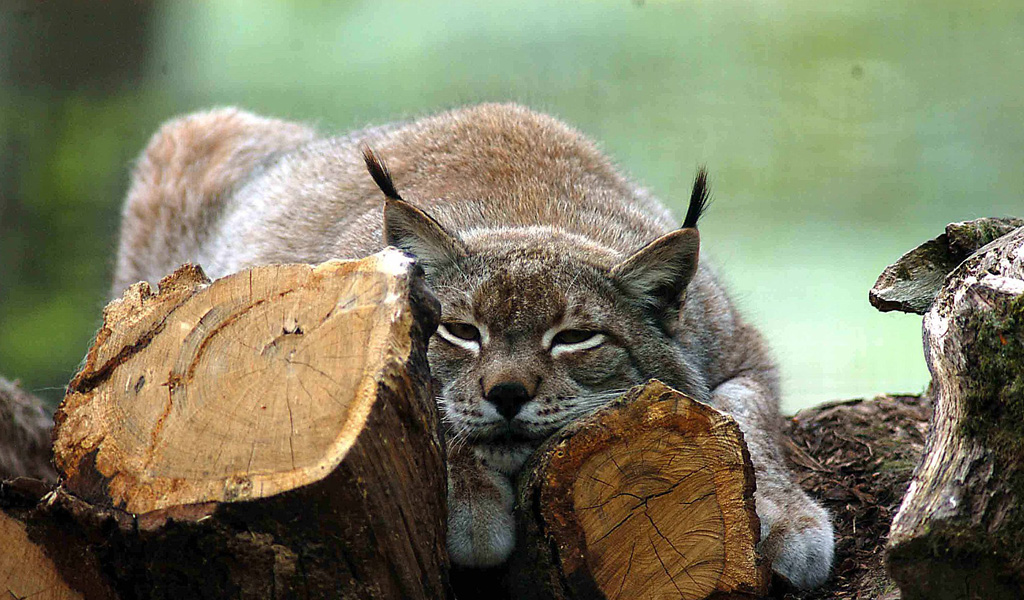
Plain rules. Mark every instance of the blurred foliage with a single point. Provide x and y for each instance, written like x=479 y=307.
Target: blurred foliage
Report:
x=838 y=135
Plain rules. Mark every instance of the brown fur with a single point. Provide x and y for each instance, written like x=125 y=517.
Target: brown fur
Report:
x=186 y=171
x=525 y=231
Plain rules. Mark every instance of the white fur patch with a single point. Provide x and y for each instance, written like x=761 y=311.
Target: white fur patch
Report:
x=506 y=459
x=805 y=555
x=592 y=342
x=549 y=335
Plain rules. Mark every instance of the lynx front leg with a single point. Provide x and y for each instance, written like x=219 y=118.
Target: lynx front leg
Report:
x=796 y=532
x=481 y=530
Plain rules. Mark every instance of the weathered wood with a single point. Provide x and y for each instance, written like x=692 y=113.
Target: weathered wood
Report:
x=912 y=282
x=959 y=532
x=651 y=497
x=25 y=423
x=272 y=434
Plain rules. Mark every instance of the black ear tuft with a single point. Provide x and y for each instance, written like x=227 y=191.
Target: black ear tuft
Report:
x=379 y=171
x=699 y=198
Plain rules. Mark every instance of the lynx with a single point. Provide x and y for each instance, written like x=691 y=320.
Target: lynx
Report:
x=561 y=283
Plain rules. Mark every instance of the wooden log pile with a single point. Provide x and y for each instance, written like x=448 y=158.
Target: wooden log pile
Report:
x=274 y=434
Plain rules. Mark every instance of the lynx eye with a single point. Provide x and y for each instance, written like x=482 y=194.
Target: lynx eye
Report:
x=575 y=340
x=572 y=336
x=464 y=335
x=462 y=331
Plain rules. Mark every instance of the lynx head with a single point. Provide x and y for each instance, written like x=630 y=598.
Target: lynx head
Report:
x=540 y=326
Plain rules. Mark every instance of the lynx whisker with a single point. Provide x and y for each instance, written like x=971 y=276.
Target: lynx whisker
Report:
x=572 y=284
x=458 y=440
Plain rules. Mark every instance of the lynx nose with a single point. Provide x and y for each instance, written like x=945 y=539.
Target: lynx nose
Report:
x=508 y=398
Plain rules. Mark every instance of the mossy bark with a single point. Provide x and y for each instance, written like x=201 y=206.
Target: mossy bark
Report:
x=960 y=529
x=912 y=282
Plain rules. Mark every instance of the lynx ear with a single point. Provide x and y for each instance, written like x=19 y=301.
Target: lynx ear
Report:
x=410 y=229
x=659 y=272
x=407 y=227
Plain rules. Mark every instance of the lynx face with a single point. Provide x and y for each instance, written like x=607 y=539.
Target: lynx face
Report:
x=540 y=326
x=533 y=335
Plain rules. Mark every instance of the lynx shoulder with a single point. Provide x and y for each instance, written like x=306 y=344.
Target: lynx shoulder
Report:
x=562 y=283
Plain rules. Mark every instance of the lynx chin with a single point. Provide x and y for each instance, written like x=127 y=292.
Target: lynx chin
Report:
x=562 y=283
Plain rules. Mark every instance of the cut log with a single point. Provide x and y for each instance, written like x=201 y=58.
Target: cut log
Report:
x=26 y=571
x=272 y=434
x=53 y=543
x=959 y=532
x=651 y=497
x=25 y=446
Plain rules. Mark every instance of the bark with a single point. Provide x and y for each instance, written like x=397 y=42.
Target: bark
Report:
x=25 y=448
x=272 y=434
x=27 y=568
x=959 y=532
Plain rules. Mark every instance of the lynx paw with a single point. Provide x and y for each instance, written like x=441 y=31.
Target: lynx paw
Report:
x=799 y=542
x=481 y=530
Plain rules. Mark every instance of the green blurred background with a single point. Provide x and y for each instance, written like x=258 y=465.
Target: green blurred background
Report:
x=838 y=135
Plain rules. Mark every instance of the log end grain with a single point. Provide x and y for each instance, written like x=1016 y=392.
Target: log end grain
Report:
x=269 y=434
x=650 y=497
x=255 y=384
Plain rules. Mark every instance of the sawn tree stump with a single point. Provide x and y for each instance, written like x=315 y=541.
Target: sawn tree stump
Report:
x=272 y=434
